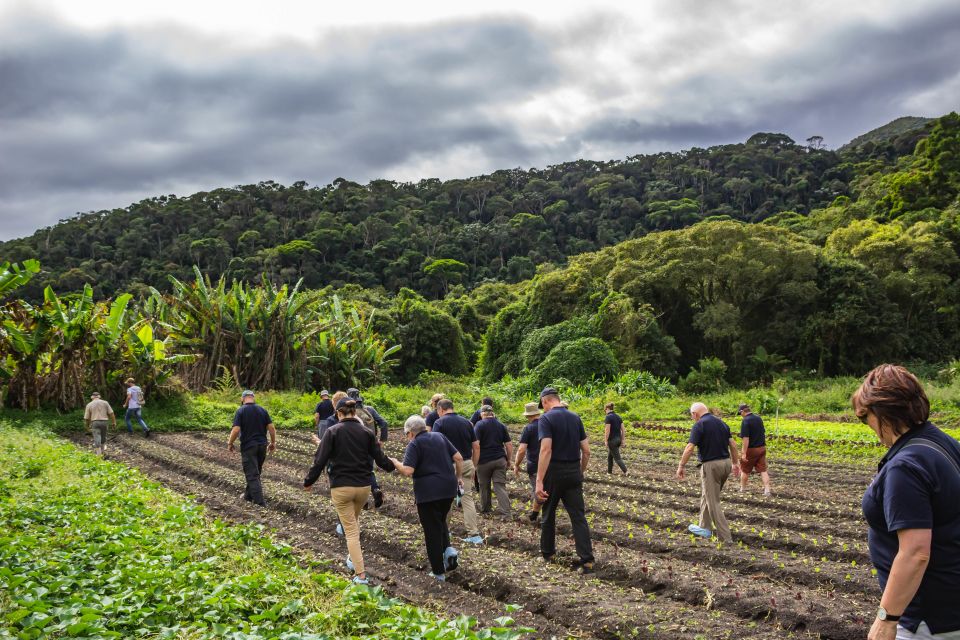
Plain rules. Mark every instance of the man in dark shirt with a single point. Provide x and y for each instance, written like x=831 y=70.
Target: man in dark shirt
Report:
x=459 y=432
x=434 y=415
x=252 y=423
x=530 y=448
x=476 y=417
x=753 y=454
x=564 y=455
x=717 y=452
x=495 y=449
x=613 y=436
x=324 y=409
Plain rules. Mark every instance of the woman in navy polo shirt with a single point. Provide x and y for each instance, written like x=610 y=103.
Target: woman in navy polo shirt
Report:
x=435 y=465
x=912 y=509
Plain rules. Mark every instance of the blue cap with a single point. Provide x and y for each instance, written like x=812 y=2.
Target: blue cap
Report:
x=246 y=393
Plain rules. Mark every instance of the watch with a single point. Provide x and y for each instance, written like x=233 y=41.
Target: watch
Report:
x=886 y=617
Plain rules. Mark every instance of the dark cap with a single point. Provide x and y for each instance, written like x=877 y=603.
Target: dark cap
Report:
x=353 y=392
x=743 y=407
x=547 y=391
x=344 y=401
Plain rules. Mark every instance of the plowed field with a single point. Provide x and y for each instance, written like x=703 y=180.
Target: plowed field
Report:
x=798 y=568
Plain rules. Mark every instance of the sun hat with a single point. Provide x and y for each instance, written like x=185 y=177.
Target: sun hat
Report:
x=530 y=409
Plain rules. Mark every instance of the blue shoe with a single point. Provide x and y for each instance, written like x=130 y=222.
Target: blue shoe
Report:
x=359 y=580
x=339 y=529
x=440 y=578
x=349 y=564
x=451 y=558
x=474 y=539
x=699 y=531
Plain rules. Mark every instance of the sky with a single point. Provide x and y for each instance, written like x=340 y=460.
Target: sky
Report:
x=105 y=103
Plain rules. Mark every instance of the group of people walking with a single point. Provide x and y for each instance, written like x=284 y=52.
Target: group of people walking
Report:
x=98 y=415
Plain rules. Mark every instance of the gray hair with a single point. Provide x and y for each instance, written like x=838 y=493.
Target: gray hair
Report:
x=698 y=407
x=425 y=410
x=415 y=425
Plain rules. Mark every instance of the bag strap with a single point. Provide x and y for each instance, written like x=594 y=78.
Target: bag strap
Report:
x=930 y=444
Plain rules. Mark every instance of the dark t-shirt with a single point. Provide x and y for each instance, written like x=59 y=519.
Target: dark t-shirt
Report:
x=566 y=430
x=434 y=477
x=752 y=427
x=323 y=425
x=475 y=418
x=459 y=431
x=530 y=436
x=252 y=420
x=324 y=408
x=492 y=435
x=712 y=437
x=432 y=417
x=616 y=428
x=917 y=488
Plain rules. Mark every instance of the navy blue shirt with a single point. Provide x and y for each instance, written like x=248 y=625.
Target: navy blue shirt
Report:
x=459 y=431
x=434 y=475
x=492 y=435
x=566 y=430
x=475 y=418
x=530 y=436
x=752 y=427
x=252 y=420
x=324 y=409
x=432 y=417
x=712 y=437
x=323 y=425
x=616 y=428
x=916 y=487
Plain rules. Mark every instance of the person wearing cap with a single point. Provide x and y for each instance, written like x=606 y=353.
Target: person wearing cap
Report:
x=564 y=456
x=331 y=420
x=377 y=419
x=614 y=436
x=529 y=447
x=753 y=454
x=323 y=410
x=436 y=468
x=434 y=414
x=460 y=433
x=347 y=447
x=477 y=415
x=495 y=450
x=717 y=453
x=134 y=407
x=96 y=416
x=252 y=423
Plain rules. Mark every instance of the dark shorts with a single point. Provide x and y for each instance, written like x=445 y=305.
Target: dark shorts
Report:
x=756 y=459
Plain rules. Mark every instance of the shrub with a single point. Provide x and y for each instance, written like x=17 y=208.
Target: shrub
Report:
x=577 y=361
x=710 y=377
x=536 y=346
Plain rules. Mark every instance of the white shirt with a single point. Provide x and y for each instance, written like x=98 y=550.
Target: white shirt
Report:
x=133 y=397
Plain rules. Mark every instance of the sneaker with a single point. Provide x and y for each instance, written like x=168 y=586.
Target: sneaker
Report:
x=377 y=498
x=146 y=434
x=339 y=529
x=533 y=515
x=585 y=568
x=699 y=531
x=767 y=493
x=451 y=558
x=474 y=539
x=359 y=580
x=547 y=559
x=438 y=578
x=349 y=564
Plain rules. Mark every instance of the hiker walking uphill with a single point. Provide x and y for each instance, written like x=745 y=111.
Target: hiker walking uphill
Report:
x=614 y=436
x=434 y=414
x=324 y=408
x=717 y=452
x=477 y=415
x=96 y=415
x=459 y=432
x=252 y=423
x=530 y=448
x=564 y=455
x=348 y=447
x=134 y=407
x=495 y=450
x=372 y=421
x=753 y=454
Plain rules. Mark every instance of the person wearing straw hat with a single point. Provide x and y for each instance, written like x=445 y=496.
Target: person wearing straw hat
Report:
x=96 y=415
x=252 y=423
x=529 y=448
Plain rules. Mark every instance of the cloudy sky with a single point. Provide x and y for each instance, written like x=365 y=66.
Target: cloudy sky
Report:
x=103 y=103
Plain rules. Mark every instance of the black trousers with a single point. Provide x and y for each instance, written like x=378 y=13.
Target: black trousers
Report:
x=253 y=458
x=564 y=482
x=433 y=519
x=613 y=455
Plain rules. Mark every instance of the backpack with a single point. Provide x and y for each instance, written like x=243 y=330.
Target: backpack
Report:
x=140 y=397
x=366 y=419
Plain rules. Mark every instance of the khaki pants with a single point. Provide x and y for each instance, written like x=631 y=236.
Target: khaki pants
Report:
x=470 y=521
x=349 y=501
x=494 y=471
x=713 y=475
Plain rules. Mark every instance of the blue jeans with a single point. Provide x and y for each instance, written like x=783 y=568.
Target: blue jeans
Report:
x=136 y=414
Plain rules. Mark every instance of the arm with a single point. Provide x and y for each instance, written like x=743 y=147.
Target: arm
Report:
x=127 y=399
x=584 y=455
x=684 y=458
x=380 y=422
x=320 y=460
x=521 y=452
x=906 y=573
x=113 y=418
x=546 y=451
x=606 y=433
x=272 y=430
x=316 y=420
x=475 y=455
x=745 y=444
x=509 y=447
x=734 y=454
x=458 y=467
x=402 y=469
x=234 y=433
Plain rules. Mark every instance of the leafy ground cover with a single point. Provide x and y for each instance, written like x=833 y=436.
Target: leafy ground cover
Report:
x=90 y=548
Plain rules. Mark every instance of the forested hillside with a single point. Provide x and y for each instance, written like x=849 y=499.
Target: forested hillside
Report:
x=430 y=235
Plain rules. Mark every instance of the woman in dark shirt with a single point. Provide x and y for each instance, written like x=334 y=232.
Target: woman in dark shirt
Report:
x=435 y=465
x=348 y=447
x=912 y=509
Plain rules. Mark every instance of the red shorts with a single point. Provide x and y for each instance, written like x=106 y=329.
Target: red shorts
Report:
x=756 y=459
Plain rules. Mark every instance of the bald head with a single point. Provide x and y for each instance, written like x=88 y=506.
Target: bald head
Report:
x=698 y=410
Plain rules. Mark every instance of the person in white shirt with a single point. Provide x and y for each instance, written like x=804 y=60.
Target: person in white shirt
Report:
x=133 y=405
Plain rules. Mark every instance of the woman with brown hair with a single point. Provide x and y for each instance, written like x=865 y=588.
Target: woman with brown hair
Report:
x=912 y=510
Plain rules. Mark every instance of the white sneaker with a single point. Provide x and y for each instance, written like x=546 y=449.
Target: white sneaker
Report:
x=349 y=564
x=339 y=529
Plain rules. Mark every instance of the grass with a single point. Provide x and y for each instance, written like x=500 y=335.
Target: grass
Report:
x=91 y=548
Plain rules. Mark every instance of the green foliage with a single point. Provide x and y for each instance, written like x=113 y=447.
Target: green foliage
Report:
x=577 y=361
x=432 y=340
x=709 y=377
x=537 y=344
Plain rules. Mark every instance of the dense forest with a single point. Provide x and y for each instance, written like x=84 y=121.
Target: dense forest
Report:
x=735 y=263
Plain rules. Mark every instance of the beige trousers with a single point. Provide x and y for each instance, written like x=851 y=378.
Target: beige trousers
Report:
x=470 y=521
x=349 y=501
x=713 y=475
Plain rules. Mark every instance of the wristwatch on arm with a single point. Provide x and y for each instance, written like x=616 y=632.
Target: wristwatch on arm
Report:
x=886 y=617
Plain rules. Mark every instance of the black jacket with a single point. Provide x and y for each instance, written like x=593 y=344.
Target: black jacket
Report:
x=348 y=447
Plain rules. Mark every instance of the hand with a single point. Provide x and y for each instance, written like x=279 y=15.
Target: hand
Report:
x=396 y=462
x=743 y=459
x=460 y=484
x=272 y=447
x=681 y=473
x=230 y=447
x=882 y=630
x=315 y=439
x=541 y=494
